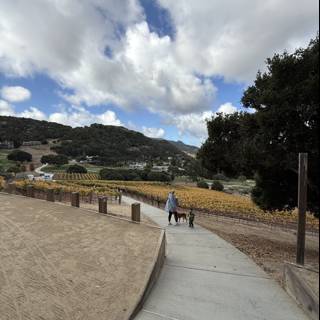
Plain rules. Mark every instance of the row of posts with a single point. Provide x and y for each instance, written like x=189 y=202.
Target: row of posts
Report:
x=75 y=201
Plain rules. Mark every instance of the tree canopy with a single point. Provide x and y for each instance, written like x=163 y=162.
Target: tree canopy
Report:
x=55 y=159
x=76 y=169
x=285 y=100
x=19 y=155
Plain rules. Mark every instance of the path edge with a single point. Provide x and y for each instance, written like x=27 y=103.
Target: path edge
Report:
x=151 y=276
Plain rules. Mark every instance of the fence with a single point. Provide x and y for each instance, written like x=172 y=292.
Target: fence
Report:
x=222 y=216
x=74 y=198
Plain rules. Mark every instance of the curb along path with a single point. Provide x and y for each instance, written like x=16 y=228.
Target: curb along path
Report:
x=206 y=278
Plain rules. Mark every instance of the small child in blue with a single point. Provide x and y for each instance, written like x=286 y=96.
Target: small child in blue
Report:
x=191 y=218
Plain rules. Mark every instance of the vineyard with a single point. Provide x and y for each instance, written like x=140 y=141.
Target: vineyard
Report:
x=2 y=183
x=67 y=187
x=208 y=201
x=203 y=200
x=75 y=176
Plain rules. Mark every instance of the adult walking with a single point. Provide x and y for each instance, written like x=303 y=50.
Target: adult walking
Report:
x=171 y=207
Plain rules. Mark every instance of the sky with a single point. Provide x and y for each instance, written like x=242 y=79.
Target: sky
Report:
x=161 y=67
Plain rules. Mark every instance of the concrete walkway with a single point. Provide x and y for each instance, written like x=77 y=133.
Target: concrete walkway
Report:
x=206 y=278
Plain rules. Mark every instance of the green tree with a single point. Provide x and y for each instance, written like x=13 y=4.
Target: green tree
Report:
x=76 y=169
x=21 y=156
x=54 y=159
x=267 y=142
x=286 y=100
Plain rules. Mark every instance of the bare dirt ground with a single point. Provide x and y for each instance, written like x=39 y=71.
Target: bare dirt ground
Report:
x=59 y=262
x=269 y=248
x=122 y=211
x=37 y=152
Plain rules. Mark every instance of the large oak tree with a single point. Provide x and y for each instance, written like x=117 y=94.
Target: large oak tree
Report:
x=285 y=99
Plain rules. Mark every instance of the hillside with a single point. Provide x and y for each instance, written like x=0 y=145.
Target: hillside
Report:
x=188 y=149
x=109 y=144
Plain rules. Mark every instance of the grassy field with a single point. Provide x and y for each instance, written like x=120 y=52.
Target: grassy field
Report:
x=55 y=169
x=234 y=186
x=4 y=162
x=238 y=186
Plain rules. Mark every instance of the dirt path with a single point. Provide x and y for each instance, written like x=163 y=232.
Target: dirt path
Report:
x=61 y=263
x=269 y=247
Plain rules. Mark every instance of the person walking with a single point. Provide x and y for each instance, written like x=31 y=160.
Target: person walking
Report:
x=171 y=207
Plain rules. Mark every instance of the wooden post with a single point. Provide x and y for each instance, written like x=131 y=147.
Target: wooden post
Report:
x=12 y=188
x=103 y=206
x=135 y=212
x=302 y=206
x=30 y=191
x=120 y=197
x=50 y=195
x=75 y=199
x=60 y=195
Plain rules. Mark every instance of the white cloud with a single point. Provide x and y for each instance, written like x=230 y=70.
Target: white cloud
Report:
x=167 y=76
x=15 y=94
x=79 y=117
x=143 y=70
x=153 y=132
x=232 y=38
x=193 y=124
x=227 y=108
x=33 y=113
x=72 y=116
x=6 y=109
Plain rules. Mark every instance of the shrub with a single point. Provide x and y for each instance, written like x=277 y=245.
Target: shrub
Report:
x=76 y=169
x=217 y=185
x=18 y=155
x=159 y=176
x=203 y=185
x=242 y=178
x=132 y=176
x=220 y=176
x=55 y=159
x=14 y=169
x=107 y=174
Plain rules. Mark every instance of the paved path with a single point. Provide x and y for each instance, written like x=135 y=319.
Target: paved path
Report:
x=39 y=169
x=206 y=278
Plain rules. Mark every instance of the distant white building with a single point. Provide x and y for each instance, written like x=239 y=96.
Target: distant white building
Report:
x=160 y=168
x=31 y=143
x=137 y=165
x=6 y=144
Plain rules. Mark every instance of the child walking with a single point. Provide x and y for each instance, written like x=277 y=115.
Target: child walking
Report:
x=191 y=218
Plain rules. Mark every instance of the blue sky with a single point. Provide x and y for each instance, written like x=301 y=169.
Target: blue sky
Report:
x=156 y=66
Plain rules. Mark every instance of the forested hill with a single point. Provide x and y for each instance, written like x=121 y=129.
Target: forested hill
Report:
x=22 y=129
x=192 y=150
x=109 y=143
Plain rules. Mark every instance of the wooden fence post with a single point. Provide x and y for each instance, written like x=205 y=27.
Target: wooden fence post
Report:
x=75 y=199
x=302 y=206
x=12 y=188
x=158 y=201
x=30 y=191
x=135 y=212
x=50 y=195
x=120 y=197
x=103 y=205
